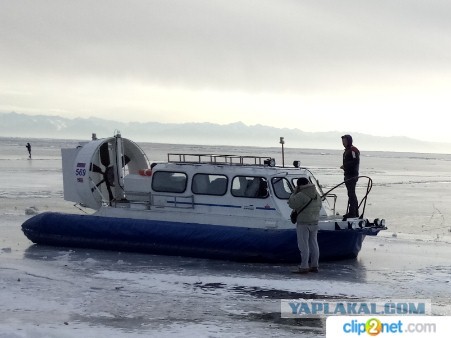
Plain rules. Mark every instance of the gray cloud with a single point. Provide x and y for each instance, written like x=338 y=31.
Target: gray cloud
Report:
x=251 y=45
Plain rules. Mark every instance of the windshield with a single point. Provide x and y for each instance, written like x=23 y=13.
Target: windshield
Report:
x=282 y=187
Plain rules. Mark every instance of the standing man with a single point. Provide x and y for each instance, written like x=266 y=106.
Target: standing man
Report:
x=307 y=204
x=351 y=162
x=29 y=149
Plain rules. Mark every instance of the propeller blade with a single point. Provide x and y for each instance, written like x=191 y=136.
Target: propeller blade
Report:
x=95 y=168
x=110 y=193
x=125 y=160
x=104 y=154
x=97 y=185
x=109 y=176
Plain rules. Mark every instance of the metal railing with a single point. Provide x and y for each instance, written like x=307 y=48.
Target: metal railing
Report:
x=363 y=201
x=219 y=159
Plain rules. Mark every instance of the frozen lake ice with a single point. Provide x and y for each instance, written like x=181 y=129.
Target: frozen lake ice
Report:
x=66 y=292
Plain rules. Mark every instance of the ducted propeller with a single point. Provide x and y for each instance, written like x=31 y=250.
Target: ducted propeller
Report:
x=108 y=172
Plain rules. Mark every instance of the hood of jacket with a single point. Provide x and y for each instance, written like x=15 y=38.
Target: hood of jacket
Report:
x=308 y=189
x=349 y=139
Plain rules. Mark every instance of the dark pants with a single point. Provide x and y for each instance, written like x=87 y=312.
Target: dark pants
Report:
x=353 y=203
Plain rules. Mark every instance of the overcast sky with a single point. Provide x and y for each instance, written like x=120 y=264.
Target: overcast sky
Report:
x=381 y=67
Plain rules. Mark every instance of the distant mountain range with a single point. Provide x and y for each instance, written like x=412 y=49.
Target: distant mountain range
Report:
x=46 y=126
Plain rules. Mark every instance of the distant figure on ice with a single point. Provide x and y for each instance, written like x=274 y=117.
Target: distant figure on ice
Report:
x=29 y=149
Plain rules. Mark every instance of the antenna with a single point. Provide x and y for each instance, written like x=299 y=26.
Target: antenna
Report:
x=282 y=142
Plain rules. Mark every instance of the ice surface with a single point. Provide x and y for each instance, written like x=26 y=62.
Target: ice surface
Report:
x=72 y=292
x=64 y=292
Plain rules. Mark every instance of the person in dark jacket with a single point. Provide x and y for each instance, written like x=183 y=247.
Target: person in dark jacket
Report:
x=29 y=149
x=351 y=163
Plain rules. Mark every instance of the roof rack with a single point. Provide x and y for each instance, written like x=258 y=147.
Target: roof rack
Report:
x=221 y=159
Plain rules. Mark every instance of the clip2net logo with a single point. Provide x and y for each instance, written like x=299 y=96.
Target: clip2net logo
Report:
x=406 y=326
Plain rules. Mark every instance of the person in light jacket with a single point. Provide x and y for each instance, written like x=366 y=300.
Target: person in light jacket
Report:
x=306 y=198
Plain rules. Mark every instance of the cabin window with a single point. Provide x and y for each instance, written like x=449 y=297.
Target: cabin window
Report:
x=168 y=181
x=209 y=184
x=282 y=187
x=250 y=186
